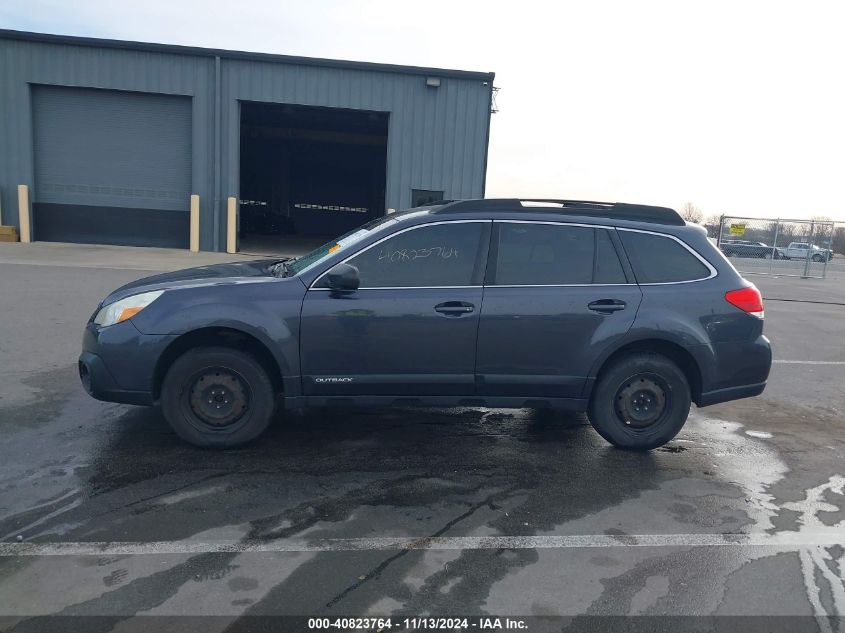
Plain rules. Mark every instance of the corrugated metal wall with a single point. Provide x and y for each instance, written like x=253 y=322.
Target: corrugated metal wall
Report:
x=437 y=137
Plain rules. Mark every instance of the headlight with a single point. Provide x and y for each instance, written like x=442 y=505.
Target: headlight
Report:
x=125 y=308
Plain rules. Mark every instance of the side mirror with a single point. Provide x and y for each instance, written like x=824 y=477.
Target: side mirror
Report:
x=344 y=278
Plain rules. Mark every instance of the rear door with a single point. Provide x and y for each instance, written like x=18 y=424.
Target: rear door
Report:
x=410 y=329
x=797 y=249
x=556 y=295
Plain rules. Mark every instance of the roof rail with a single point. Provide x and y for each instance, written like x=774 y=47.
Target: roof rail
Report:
x=614 y=210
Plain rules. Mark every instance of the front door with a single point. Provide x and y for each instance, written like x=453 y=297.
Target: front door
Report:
x=411 y=327
x=556 y=296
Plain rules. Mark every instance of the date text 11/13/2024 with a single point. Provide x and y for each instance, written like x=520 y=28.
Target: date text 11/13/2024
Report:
x=479 y=623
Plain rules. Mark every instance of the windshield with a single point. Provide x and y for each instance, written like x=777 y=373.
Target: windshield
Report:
x=300 y=264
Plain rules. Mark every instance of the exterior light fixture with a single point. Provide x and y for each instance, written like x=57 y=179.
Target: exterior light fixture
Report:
x=432 y=82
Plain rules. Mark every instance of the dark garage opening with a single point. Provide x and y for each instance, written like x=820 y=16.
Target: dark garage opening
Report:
x=308 y=173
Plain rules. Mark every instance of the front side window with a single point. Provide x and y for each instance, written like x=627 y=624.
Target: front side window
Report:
x=434 y=255
x=660 y=259
x=551 y=254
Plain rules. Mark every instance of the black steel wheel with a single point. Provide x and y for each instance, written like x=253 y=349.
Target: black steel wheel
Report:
x=217 y=397
x=640 y=401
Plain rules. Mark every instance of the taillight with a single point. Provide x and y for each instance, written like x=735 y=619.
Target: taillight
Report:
x=746 y=299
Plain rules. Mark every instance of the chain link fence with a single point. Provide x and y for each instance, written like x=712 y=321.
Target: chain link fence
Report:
x=790 y=248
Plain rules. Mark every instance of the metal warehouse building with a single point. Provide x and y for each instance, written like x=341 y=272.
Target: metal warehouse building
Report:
x=112 y=139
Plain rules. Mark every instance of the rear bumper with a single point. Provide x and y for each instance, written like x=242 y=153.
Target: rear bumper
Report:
x=730 y=393
x=739 y=369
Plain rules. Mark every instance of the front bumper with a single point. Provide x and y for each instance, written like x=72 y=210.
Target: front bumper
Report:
x=100 y=384
x=118 y=363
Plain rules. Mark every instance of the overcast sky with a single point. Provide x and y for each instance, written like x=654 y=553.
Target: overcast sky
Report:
x=737 y=106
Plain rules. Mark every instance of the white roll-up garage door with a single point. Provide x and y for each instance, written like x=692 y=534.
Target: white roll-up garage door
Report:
x=111 y=167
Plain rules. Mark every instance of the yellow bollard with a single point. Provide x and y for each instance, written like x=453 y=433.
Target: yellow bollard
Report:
x=232 y=225
x=24 y=216
x=195 y=224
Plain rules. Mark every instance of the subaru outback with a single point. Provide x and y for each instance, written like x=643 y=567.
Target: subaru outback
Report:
x=622 y=311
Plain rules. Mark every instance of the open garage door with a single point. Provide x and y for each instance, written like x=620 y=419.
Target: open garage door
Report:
x=309 y=171
x=111 y=167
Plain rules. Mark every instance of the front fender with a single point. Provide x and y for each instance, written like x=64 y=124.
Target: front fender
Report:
x=267 y=311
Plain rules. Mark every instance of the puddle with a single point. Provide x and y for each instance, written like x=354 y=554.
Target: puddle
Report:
x=672 y=449
x=677 y=506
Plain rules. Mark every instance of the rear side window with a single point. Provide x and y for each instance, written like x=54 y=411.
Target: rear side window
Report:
x=658 y=259
x=551 y=254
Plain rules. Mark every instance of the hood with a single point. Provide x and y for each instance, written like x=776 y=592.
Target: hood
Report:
x=199 y=276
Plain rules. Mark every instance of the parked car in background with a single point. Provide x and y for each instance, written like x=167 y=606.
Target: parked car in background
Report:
x=747 y=248
x=799 y=250
x=623 y=311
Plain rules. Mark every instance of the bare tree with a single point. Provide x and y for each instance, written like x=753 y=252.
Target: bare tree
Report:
x=787 y=231
x=772 y=232
x=712 y=224
x=691 y=213
x=839 y=240
x=823 y=229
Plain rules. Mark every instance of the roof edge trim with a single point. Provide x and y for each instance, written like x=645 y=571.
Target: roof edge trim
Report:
x=179 y=49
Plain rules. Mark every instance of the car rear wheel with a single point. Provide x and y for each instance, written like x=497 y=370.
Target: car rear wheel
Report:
x=640 y=402
x=217 y=397
x=817 y=258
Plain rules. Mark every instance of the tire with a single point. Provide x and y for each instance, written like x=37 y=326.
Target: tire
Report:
x=817 y=258
x=647 y=379
x=217 y=397
x=766 y=256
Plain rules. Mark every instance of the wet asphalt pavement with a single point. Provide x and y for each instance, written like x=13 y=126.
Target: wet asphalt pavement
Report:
x=406 y=513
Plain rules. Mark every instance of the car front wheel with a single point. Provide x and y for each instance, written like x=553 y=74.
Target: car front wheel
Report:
x=217 y=397
x=640 y=402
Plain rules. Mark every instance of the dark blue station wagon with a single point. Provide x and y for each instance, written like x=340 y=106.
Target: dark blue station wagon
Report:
x=623 y=311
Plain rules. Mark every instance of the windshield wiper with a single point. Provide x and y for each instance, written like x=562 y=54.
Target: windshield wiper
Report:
x=282 y=267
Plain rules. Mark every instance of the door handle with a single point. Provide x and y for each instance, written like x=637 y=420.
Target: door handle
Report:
x=454 y=308
x=606 y=306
